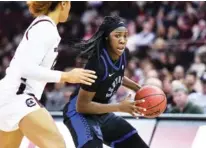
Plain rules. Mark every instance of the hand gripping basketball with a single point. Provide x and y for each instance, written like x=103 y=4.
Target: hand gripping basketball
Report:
x=131 y=107
x=155 y=100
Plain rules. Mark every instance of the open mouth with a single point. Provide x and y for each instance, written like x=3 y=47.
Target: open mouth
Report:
x=120 y=49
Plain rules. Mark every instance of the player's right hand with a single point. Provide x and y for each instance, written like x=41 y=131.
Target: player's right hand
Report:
x=79 y=75
x=129 y=106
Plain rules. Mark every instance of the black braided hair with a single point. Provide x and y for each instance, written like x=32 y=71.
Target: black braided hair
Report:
x=98 y=41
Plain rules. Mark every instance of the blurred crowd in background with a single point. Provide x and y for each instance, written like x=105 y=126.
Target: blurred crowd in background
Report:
x=167 y=43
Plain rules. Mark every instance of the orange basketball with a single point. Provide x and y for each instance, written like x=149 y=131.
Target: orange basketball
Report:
x=155 y=100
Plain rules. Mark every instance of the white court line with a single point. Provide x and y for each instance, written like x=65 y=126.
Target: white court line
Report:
x=199 y=141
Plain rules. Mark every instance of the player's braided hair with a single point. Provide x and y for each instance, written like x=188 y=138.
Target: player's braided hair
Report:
x=98 y=40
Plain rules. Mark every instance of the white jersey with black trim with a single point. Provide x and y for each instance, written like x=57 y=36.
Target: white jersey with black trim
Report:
x=30 y=68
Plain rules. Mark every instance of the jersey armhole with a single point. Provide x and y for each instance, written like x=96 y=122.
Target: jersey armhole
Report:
x=106 y=68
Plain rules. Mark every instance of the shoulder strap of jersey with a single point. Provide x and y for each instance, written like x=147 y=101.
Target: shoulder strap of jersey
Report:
x=125 y=59
x=106 y=68
x=43 y=20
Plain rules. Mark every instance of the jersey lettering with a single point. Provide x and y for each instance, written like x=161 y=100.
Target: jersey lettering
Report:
x=112 y=89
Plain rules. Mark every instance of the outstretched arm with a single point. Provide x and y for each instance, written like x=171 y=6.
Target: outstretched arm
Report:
x=39 y=44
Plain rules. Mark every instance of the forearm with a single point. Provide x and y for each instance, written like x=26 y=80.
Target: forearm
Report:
x=41 y=73
x=130 y=84
x=97 y=108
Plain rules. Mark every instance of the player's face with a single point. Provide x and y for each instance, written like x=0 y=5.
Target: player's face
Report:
x=65 y=9
x=118 y=41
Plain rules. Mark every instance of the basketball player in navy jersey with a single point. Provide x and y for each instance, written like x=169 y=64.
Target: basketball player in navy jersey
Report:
x=29 y=71
x=89 y=115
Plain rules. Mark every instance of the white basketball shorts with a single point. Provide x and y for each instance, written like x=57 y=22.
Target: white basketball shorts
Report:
x=13 y=108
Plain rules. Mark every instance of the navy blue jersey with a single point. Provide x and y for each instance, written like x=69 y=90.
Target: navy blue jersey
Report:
x=110 y=76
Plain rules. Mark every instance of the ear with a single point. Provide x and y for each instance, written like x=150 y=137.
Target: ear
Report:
x=63 y=4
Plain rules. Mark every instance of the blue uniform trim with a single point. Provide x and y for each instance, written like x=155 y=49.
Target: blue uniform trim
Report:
x=79 y=124
x=123 y=138
x=110 y=62
x=106 y=68
x=125 y=61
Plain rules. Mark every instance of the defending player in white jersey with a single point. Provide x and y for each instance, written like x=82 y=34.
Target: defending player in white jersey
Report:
x=29 y=71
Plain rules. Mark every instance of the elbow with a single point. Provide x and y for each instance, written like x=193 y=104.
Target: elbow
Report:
x=80 y=108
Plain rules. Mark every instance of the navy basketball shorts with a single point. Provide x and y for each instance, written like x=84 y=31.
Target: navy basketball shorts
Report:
x=91 y=131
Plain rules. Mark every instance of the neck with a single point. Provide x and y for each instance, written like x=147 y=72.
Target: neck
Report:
x=54 y=16
x=113 y=56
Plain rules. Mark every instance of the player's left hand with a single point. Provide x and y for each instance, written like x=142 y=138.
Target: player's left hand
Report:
x=139 y=110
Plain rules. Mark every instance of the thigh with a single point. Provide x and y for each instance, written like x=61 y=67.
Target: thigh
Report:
x=10 y=139
x=40 y=128
x=85 y=130
x=16 y=108
x=115 y=130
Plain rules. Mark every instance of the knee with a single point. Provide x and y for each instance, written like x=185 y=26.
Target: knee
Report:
x=135 y=141
x=61 y=144
x=58 y=141
x=95 y=143
x=53 y=140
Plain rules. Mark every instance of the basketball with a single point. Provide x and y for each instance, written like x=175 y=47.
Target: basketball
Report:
x=155 y=100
